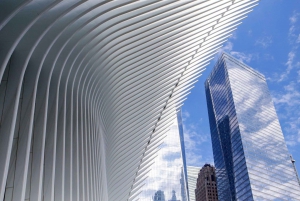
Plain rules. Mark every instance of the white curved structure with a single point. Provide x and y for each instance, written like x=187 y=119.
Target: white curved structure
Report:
x=88 y=89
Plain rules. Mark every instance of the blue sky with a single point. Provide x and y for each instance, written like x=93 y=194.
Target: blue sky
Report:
x=268 y=40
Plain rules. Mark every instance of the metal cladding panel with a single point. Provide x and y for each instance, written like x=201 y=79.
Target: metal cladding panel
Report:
x=88 y=89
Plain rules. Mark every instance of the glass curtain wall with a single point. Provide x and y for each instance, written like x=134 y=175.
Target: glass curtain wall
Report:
x=251 y=157
x=167 y=177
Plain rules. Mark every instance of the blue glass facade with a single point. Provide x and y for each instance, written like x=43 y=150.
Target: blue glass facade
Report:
x=251 y=158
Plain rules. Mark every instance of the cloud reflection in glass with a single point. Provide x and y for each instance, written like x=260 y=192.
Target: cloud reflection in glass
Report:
x=251 y=157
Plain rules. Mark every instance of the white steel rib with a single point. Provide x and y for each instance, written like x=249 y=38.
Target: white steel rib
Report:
x=89 y=89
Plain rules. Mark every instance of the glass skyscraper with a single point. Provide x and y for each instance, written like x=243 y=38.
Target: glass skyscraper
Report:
x=251 y=157
x=168 y=171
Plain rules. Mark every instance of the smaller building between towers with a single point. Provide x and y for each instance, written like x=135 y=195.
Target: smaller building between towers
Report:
x=206 y=188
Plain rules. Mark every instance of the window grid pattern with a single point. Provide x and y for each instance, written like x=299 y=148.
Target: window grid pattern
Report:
x=261 y=166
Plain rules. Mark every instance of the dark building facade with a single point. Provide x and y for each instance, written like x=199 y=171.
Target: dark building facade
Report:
x=251 y=157
x=206 y=188
x=159 y=196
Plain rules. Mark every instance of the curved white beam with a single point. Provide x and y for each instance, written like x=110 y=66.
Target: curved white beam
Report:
x=89 y=88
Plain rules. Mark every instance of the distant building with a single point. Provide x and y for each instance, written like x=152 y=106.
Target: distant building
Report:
x=159 y=196
x=174 y=196
x=192 y=173
x=251 y=157
x=206 y=188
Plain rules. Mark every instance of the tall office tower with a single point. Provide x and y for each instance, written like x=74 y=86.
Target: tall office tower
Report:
x=206 y=187
x=251 y=157
x=167 y=172
x=159 y=196
x=89 y=90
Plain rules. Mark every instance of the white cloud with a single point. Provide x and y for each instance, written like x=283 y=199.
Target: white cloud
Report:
x=233 y=35
x=291 y=97
x=298 y=39
x=264 y=42
x=192 y=137
x=185 y=115
x=289 y=65
x=290 y=87
x=250 y=32
x=194 y=158
x=291 y=29
x=289 y=62
x=293 y=138
x=193 y=141
x=293 y=35
x=294 y=39
x=290 y=141
x=243 y=57
x=227 y=47
x=294 y=18
x=288 y=104
x=288 y=98
x=268 y=57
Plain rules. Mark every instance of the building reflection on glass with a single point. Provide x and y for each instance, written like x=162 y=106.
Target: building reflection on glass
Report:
x=251 y=157
x=174 y=196
x=159 y=196
x=183 y=185
x=167 y=179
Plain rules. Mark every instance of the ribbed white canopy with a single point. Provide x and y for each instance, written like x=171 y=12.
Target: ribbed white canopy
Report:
x=89 y=88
